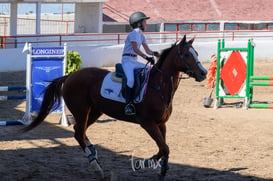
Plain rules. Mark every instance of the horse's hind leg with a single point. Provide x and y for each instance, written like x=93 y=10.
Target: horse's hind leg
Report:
x=83 y=120
x=90 y=149
x=93 y=116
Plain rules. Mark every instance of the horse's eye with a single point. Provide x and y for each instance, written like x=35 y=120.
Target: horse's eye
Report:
x=187 y=55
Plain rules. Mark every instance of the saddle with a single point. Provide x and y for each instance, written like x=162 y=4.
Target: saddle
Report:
x=140 y=74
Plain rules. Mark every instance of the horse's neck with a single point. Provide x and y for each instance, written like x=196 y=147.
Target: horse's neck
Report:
x=167 y=81
x=168 y=72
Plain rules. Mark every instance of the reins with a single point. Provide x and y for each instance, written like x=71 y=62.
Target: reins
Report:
x=157 y=87
x=189 y=72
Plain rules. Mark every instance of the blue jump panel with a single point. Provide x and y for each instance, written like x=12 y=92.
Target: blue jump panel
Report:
x=44 y=70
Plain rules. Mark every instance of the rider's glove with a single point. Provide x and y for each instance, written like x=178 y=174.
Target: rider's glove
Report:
x=151 y=60
x=156 y=54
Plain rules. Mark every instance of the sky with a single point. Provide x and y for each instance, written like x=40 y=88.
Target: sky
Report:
x=24 y=8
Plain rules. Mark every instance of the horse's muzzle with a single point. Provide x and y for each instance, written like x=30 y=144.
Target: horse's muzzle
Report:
x=200 y=76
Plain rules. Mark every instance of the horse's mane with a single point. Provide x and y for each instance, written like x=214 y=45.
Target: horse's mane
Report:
x=164 y=54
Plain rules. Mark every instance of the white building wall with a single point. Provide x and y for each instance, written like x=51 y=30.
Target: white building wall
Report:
x=88 y=18
x=97 y=56
x=13 y=19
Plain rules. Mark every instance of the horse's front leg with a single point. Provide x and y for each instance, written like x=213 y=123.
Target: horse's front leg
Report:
x=164 y=160
x=155 y=132
x=157 y=156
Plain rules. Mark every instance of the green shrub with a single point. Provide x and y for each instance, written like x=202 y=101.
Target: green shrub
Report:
x=73 y=62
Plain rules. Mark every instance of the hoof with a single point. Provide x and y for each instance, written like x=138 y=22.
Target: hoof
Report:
x=164 y=167
x=161 y=177
x=98 y=170
x=99 y=175
x=163 y=172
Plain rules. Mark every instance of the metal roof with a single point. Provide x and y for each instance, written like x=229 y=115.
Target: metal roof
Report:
x=191 y=10
x=52 y=1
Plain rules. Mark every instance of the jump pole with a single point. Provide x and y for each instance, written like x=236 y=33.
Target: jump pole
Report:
x=12 y=88
x=261 y=106
x=11 y=122
x=12 y=97
x=261 y=83
x=261 y=77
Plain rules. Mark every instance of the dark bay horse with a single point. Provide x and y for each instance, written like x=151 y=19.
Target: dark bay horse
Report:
x=81 y=93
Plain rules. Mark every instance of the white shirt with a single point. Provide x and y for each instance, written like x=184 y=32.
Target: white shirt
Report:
x=134 y=36
x=130 y=63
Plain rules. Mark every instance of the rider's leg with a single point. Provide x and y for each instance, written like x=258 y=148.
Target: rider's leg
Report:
x=128 y=68
x=129 y=108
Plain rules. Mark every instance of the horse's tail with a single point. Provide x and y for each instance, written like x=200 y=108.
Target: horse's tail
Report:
x=53 y=93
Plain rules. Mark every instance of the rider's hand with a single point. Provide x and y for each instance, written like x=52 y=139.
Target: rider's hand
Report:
x=151 y=60
x=156 y=54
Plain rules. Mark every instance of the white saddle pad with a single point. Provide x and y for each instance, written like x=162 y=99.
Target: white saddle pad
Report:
x=112 y=90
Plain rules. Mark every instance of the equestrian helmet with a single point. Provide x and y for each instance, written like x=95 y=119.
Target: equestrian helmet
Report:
x=137 y=17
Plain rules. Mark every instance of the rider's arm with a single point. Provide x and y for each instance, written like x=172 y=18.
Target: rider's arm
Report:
x=138 y=51
x=147 y=49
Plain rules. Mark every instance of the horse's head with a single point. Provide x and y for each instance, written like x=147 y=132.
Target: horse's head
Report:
x=188 y=61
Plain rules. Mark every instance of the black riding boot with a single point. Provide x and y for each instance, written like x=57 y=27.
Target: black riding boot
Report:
x=129 y=108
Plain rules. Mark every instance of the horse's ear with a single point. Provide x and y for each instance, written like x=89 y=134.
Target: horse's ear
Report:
x=183 y=40
x=191 y=41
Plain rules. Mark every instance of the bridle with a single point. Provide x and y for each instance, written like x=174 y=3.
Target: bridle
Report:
x=189 y=68
x=189 y=72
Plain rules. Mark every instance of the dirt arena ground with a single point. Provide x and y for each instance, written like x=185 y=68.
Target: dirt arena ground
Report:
x=229 y=143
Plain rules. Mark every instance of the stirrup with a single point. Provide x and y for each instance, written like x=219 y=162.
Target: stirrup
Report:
x=130 y=109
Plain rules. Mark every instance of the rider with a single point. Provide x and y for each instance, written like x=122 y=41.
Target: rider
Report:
x=129 y=57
